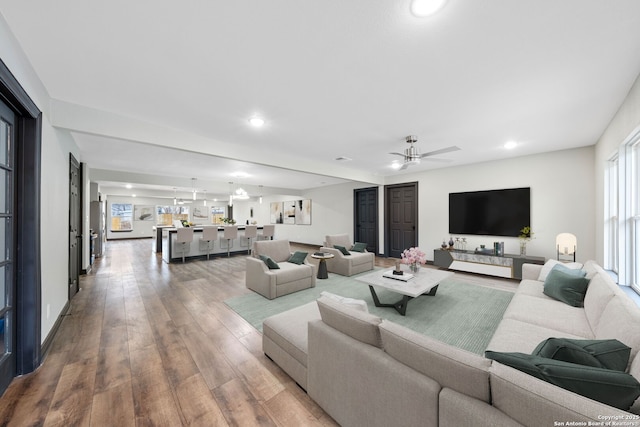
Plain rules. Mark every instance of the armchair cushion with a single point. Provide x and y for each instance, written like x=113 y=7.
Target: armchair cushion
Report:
x=298 y=257
x=338 y=239
x=342 y=249
x=270 y=262
x=359 y=247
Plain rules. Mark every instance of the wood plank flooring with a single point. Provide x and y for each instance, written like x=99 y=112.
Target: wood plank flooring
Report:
x=147 y=343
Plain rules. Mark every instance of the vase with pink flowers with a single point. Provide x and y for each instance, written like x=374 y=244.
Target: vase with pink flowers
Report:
x=413 y=257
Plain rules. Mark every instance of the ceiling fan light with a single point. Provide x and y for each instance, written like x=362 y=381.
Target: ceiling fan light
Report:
x=424 y=8
x=256 y=121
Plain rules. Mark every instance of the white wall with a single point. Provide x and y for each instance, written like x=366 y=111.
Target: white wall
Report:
x=623 y=123
x=562 y=199
x=331 y=213
x=56 y=146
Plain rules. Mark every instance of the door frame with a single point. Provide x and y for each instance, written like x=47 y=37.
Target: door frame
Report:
x=27 y=216
x=387 y=225
x=355 y=215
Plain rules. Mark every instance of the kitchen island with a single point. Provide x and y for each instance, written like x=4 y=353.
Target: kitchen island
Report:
x=197 y=250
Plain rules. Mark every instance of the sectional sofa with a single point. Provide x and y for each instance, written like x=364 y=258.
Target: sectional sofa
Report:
x=366 y=371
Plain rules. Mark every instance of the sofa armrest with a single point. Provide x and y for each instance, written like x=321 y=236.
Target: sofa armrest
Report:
x=531 y=271
x=259 y=278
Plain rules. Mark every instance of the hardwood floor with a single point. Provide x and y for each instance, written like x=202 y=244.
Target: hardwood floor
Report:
x=147 y=343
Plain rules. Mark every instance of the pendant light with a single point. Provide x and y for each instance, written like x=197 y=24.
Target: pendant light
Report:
x=193 y=187
x=175 y=196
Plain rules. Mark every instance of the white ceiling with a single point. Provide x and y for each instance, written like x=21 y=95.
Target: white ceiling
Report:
x=331 y=78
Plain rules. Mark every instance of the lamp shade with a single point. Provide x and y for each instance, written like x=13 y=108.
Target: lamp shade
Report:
x=566 y=243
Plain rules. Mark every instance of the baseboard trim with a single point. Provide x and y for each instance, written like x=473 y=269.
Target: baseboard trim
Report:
x=46 y=344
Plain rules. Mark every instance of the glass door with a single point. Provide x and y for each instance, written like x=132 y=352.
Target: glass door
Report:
x=7 y=299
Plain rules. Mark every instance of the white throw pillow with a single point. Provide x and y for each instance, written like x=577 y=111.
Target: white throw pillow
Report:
x=358 y=304
x=552 y=263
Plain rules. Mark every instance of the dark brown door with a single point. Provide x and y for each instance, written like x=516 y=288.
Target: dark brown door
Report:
x=7 y=247
x=75 y=236
x=366 y=217
x=401 y=218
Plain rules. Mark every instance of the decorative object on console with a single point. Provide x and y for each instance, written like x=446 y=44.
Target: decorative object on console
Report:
x=566 y=245
x=413 y=257
x=444 y=244
x=526 y=234
x=451 y=242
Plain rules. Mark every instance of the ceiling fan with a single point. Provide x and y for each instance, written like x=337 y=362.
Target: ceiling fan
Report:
x=412 y=155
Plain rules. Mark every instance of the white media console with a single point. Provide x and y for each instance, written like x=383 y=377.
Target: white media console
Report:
x=509 y=266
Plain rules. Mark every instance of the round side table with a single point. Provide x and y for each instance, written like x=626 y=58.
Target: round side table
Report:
x=322 y=266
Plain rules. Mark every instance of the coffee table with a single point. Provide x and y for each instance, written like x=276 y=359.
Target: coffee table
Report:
x=424 y=282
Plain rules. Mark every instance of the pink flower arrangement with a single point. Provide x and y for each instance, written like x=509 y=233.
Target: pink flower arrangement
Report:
x=413 y=256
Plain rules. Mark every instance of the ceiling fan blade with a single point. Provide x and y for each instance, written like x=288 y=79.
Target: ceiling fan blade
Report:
x=404 y=166
x=398 y=154
x=441 y=151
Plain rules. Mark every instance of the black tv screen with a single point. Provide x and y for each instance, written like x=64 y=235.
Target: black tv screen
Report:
x=490 y=213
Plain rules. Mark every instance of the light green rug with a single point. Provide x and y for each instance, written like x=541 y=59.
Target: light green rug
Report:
x=461 y=314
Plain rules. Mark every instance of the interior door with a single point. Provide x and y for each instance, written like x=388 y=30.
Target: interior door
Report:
x=366 y=217
x=75 y=237
x=401 y=207
x=7 y=247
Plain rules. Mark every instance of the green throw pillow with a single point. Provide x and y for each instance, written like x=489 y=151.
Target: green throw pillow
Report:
x=359 y=247
x=614 y=388
x=565 y=287
x=607 y=354
x=298 y=257
x=270 y=262
x=342 y=249
x=576 y=272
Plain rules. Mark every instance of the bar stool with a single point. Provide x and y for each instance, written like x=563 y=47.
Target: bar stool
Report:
x=230 y=234
x=267 y=232
x=250 y=233
x=207 y=241
x=183 y=241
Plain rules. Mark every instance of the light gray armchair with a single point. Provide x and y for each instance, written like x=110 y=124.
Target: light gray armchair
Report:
x=273 y=283
x=346 y=265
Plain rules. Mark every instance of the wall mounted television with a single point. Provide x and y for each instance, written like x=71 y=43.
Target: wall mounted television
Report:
x=490 y=213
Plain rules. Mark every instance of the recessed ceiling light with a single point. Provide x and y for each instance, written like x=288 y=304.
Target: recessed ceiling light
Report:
x=396 y=164
x=128 y=186
x=256 y=121
x=510 y=145
x=424 y=8
x=133 y=195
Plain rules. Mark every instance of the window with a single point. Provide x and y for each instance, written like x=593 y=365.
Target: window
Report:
x=121 y=217
x=168 y=214
x=611 y=217
x=622 y=227
x=217 y=213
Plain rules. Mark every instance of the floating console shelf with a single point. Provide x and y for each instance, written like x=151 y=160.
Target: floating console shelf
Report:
x=509 y=266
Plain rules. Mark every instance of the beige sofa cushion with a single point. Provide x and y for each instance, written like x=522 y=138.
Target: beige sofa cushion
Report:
x=289 y=272
x=449 y=366
x=600 y=291
x=354 y=323
x=338 y=239
x=289 y=329
x=549 y=313
x=621 y=320
x=518 y=336
x=278 y=250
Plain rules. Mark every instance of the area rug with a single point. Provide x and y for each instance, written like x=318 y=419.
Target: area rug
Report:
x=461 y=314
